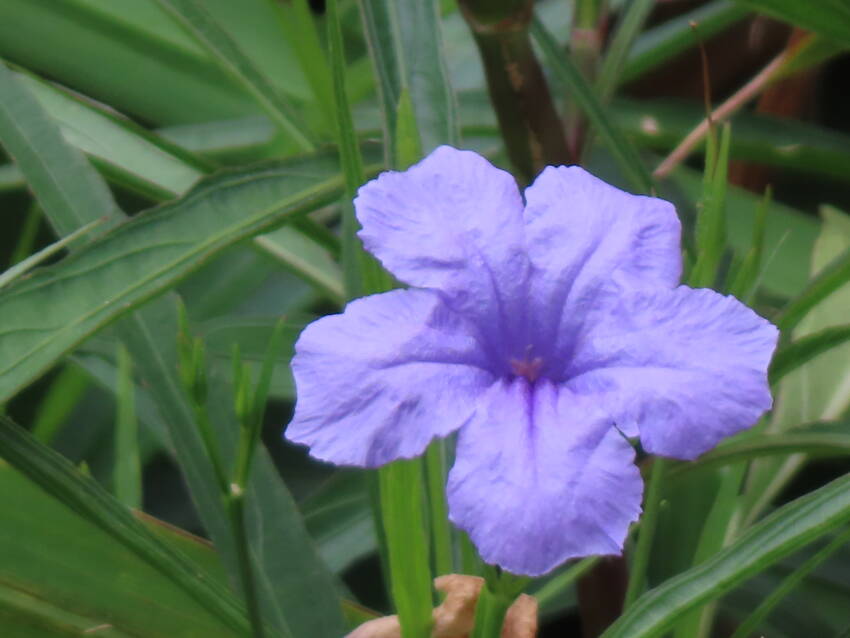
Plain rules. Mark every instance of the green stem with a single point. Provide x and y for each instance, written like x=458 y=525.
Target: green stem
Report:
x=637 y=577
x=236 y=512
x=532 y=131
x=441 y=533
x=490 y=613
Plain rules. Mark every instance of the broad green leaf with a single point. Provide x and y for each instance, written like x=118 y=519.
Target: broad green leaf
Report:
x=95 y=506
x=60 y=175
x=405 y=43
x=97 y=46
x=146 y=255
x=780 y=534
x=203 y=26
x=617 y=144
x=830 y=18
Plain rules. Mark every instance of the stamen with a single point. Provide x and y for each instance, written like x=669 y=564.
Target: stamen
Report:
x=528 y=369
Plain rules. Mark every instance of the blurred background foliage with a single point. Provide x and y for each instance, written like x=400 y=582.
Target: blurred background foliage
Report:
x=213 y=126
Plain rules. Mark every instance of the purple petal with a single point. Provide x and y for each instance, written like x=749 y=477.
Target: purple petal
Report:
x=540 y=477
x=384 y=378
x=685 y=367
x=582 y=236
x=452 y=222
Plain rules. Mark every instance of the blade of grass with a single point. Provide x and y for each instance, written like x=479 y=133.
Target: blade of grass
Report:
x=628 y=29
x=652 y=502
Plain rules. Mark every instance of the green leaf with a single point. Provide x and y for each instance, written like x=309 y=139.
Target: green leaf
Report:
x=665 y=41
x=147 y=255
x=59 y=478
x=203 y=26
x=711 y=218
x=297 y=592
x=628 y=28
x=780 y=534
x=617 y=144
x=793 y=580
x=405 y=43
x=830 y=18
x=790 y=357
x=61 y=177
x=127 y=474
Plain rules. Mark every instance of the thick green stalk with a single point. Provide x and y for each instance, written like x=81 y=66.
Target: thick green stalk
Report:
x=532 y=131
x=441 y=533
x=407 y=543
x=490 y=613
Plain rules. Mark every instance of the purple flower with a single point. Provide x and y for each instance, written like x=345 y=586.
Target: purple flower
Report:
x=544 y=334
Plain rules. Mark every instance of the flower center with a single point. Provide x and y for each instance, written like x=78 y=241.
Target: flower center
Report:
x=527 y=367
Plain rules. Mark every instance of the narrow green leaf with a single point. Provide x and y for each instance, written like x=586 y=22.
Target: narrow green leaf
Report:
x=23 y=267
x=827 y=281
x=628 y=28
x=66 y=185
x=146 y=255
x=711 y=220
x=790 y=357
x=56 y=405
x=405 y=43
x=646 y=534
x=59 y=478
x=760 y=613
x=127 y=474
x=819 y=439
x=830 y=18
x=745 y=281
x=780 y=534
x=667 y=40
x=226 y=51
x=617 y=144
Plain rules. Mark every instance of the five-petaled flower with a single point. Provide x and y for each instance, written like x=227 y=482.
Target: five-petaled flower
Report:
x=544 y=333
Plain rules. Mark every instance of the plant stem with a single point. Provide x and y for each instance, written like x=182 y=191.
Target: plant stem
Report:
x=236 y=512
x=441 y=533
x=490 y=613
x=532 y=131
x=637 y=577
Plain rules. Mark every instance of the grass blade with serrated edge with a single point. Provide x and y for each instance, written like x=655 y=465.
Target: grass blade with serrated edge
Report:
x=786 y=530
x=59 y=174
x=59 y=478
x=223 y=48
x=620 y=148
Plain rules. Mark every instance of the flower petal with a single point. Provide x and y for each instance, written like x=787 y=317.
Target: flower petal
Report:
x=381 y=380
x=541 y=477
x=453 y=222
x=582 y=235
x=684 y=367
